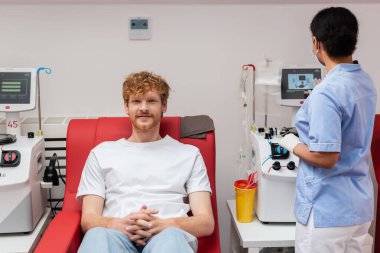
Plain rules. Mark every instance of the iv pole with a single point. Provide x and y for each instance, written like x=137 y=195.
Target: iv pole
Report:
x=47 y=71
x=249 y=117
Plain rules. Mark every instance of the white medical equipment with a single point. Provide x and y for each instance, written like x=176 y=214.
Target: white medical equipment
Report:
x=276 y=167
x=22 y=200
x=276 y=181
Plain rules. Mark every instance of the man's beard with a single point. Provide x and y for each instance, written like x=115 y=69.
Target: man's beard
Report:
x=142 y=126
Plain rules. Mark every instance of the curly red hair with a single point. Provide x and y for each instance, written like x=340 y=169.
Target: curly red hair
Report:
x=144 y=81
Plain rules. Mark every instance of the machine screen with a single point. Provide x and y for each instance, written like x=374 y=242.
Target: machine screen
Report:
x=15 y=87
x=296 y=82
x=300 y=81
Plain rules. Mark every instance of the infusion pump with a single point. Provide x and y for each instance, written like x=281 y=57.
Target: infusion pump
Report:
x=276 y=168
x=22 y=199
x=277 y=173
x=21 y=170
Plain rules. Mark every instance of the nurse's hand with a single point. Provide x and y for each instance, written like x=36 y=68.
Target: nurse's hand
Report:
x=289 y=142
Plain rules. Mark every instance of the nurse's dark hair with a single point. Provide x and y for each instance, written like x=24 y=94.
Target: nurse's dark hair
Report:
x=337 y=29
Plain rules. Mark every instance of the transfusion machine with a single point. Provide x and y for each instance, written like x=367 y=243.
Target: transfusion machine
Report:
x=23 y=201
x=276 y=167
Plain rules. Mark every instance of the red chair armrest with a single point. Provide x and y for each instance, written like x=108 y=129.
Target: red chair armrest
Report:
x=63 y=234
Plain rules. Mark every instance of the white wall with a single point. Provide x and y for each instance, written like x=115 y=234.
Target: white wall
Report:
x=198 y=48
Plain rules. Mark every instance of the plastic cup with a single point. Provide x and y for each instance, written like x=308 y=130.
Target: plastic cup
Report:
x=245 y=200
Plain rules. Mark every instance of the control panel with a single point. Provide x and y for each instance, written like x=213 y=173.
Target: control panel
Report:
x=277 y=170
x=270 y=157
x=15 y=160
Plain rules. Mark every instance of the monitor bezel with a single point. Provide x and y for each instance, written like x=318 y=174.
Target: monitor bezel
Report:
x=13 y=107
x=297 y=97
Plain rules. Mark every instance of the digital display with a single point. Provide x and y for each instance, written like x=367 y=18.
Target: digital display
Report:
x=297 y=82
x=139 y=24
x=15 y=87
x=300 y=81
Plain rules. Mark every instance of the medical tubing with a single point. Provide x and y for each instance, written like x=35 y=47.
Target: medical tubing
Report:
x=245 y=148
x=266 y=160
x=249 y=117
x=51 y=205
x=245 y=67
x=56 y=205
x=59 y=171
x=251 y=180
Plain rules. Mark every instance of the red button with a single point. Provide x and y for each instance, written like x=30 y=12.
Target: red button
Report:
x=7 y=107
x=301 y=102
x=10 y=157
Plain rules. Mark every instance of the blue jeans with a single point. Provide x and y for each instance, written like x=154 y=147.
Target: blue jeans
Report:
x=170 y=240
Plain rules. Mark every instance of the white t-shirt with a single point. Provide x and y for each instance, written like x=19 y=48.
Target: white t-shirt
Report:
x=159 y=174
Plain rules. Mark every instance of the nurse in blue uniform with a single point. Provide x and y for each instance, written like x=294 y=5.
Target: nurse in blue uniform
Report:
x=334 y=203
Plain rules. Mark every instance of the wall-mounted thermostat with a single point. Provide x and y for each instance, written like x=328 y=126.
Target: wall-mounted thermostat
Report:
x=139 y=28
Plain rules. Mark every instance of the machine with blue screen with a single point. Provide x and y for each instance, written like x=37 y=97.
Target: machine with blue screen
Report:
x=300 y=81
x=297 y=83
x=277 y=168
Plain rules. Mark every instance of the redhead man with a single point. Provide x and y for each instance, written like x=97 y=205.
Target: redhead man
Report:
x=135 y=191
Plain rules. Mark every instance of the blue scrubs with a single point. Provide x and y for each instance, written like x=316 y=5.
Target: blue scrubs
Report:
x=338 y=116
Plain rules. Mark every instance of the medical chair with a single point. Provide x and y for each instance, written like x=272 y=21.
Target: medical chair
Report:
x=375 y=150
x=64 y=233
